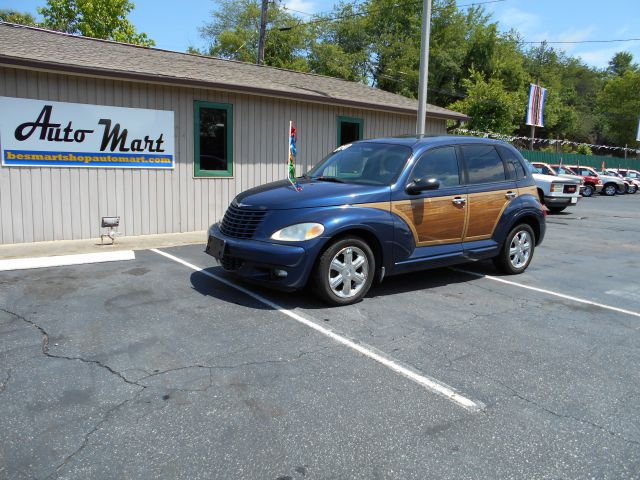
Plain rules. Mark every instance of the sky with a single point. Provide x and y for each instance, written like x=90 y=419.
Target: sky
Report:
x=552 y=20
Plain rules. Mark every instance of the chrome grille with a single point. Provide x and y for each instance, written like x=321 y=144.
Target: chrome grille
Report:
x=241 y=222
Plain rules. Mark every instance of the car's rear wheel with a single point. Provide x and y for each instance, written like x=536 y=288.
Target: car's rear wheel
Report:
x=587 y=191
x=609 y=189
x=517 y=250
x=345 y=271
x=556 y=209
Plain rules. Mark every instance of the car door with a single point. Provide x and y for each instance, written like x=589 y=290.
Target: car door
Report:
x=436 y=217
x=490 y=190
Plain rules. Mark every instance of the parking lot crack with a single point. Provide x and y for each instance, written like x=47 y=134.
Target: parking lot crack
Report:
x=87 y=436
x=47 y=353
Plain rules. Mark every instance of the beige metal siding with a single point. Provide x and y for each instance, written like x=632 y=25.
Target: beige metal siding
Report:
x=67 y=203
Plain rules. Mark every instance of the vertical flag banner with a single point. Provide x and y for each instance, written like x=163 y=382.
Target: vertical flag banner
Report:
x=293 y=153
x=638 y=134
x=535 y=108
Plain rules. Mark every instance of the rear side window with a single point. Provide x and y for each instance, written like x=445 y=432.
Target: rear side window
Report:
x=484 y=165
x=441 y=164
x=515 y=170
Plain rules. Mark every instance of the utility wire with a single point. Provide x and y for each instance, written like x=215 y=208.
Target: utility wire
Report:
x=586 y=41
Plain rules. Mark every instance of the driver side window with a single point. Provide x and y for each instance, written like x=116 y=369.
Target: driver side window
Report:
x=440 y=164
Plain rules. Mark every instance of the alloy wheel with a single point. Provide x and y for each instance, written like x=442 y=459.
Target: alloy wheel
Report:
x=520 y=249
x=348 y=272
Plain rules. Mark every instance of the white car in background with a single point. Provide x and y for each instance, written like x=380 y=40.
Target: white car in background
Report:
x=555 y=192
x=632 y=183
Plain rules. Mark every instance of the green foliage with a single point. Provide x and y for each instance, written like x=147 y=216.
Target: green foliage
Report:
x=234 y=34
x=106 y=19
x=584 y=149
x=490 y=106
x=13 y=16
x=619 y=102
x=620 y=63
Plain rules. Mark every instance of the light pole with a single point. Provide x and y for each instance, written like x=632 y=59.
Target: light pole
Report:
x=424 y=67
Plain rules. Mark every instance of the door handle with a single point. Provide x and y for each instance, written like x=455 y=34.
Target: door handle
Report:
x=510 y=195
x=459 y=201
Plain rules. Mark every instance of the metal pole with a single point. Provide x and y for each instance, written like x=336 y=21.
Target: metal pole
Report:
x=424 y=67
x=263 y=32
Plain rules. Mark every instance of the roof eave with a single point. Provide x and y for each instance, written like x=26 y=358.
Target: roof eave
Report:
x=186 y=82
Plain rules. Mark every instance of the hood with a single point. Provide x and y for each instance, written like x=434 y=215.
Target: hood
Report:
x=610 y=178
x=281 y=195
x=557 y=179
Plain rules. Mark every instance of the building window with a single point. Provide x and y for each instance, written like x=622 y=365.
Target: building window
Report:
x=349 y=130
x=213 y=129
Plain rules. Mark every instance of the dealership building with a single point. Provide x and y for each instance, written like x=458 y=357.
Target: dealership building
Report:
x=92 y=128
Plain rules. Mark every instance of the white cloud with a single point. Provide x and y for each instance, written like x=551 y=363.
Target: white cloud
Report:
x=300 y=6
x=600 y=57
x=528 y=24
x=574 y=35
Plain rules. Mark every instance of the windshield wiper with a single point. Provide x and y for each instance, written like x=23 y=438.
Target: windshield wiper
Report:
x=322 y=178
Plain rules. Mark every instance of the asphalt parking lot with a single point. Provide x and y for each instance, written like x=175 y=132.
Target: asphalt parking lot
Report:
x=150 y=369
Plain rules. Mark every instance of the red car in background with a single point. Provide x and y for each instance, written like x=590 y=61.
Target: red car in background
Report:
x=592 y=183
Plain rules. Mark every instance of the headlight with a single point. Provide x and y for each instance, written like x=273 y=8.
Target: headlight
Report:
x=299 y=232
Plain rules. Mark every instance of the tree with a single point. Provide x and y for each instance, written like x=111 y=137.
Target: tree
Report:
x=619 y=104
x=106 y=19
x=234 y=34
x=490 y=106
x=13 y=16
x=341 y=48
x=620 y=63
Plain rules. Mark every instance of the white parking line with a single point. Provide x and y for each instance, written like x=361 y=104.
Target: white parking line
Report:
x=548 y=292
x=64 y=260
x=404 y=370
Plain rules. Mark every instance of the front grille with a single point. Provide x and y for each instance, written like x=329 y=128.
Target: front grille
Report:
x=241 y=222
x=570 y=189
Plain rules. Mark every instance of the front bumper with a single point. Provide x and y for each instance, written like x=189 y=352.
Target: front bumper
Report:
x=271 y=264
x=560 y=201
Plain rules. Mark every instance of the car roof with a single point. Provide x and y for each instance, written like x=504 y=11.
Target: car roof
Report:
x=416 y=141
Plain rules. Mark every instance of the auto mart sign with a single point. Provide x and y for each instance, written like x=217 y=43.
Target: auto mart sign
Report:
x=40 y=133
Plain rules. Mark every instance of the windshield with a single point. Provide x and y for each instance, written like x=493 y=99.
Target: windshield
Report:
x=363 y=163
x=543 y=169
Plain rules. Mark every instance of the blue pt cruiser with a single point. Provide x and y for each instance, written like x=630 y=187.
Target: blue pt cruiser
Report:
x=383 y=207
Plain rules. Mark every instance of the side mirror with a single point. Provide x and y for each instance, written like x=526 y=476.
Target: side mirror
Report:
x=420 y=185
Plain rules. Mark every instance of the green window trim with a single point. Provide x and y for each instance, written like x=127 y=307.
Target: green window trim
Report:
x=198 y=172
x=340 y=120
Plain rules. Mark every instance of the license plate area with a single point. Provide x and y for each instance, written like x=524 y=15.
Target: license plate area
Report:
x=574 y=200
x=216 y=247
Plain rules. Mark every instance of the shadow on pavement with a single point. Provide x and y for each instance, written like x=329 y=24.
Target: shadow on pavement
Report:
x=410 y=282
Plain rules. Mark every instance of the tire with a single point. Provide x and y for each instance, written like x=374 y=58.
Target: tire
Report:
x=609 y=189
x=631 y=189
x=621 y=189
x=517 y=250
x=556 y=209
x=336 y=263
x=588 y=191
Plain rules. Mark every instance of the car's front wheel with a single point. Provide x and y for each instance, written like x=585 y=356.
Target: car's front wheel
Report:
x=345 y=271
x=587 y=191
x=517 y=250
x=610 y=189
x=632 y=188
